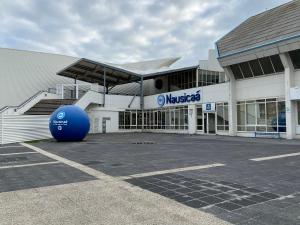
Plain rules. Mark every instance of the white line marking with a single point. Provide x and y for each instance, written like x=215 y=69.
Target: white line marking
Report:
x=172 y=171
x=12 y=146
x=83 y=168
x=18 y=153
x=27 y=165
x=275 y=157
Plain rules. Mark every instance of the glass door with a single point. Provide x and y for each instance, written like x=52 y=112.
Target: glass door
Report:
x=209 y=123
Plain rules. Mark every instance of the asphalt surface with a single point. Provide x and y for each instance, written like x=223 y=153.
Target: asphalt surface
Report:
x=240 y=191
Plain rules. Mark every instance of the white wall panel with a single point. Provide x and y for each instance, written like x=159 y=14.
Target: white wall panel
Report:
x=24 y=73
x=260 y=87
x=20 y=128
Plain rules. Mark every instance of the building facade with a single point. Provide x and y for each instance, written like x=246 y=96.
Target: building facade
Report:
x=248 y=87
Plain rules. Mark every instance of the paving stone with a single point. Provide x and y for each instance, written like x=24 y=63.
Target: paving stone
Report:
x=183 y=190
x=256 y=198
x=252 y=190
x=228 y=206
x=182 y=198
x=243 y=202
x=197 y=194
x=196 y=204
x=268 y=195
x=225 y=196
x=211 y=200
x=211 y=192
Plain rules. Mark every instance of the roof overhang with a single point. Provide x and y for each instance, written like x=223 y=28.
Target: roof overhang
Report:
x=166 y=72
x=93 y=72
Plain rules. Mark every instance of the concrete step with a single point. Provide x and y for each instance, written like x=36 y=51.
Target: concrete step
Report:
x=48 y=106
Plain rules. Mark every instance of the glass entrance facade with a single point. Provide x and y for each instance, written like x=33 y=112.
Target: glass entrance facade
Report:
x=170 y=118
x=265 y=115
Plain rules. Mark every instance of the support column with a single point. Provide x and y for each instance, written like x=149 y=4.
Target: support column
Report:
x=192 y=119
x=142 y=100
x=290 y=106
x=104 y=87
x=232 y=108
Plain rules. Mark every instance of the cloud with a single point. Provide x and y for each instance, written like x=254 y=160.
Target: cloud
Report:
x=123 y=31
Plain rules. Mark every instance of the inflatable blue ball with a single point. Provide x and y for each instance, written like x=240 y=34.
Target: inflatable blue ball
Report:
x=69 y=123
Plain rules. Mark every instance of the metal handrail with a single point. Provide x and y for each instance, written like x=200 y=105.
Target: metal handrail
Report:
x=23 y=103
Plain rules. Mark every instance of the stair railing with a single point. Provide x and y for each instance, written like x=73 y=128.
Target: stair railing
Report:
x=16 y=108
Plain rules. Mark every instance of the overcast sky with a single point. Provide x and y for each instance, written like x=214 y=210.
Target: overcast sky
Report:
x=123 y=30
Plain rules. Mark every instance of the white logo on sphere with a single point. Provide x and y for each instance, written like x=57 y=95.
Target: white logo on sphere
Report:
x=61 y=115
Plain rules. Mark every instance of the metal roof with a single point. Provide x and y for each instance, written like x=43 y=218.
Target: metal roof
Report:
x=93 y=72
x=268 y=27
x=166 y=71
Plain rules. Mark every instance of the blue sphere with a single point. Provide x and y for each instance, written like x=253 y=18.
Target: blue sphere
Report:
x=69 y=123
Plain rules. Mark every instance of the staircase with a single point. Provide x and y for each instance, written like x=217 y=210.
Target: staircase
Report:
x=48 y=106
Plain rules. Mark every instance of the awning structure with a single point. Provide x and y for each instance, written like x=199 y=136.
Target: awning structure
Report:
x=101 y=73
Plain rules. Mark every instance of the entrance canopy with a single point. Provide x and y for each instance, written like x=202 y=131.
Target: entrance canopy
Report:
x=101 y=73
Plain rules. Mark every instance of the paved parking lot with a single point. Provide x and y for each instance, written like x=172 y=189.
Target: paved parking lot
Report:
x=235 y=180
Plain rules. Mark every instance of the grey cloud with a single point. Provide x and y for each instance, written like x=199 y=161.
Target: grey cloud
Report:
x=123 y=31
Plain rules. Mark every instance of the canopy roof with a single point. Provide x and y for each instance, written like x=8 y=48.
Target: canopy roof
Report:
x=93 y=72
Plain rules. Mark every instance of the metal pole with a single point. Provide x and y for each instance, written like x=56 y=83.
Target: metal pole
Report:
x=2 y=129
x=76 y=89
x=104 y=87
x=142 y=100
x=62 y=91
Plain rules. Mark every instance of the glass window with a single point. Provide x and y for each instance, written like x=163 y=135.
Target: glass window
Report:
x=246 y=69
x=236 y=71
x=241 y=110
x=199 y=118
x=250 y=114
x=295 y=57
x=220 y=117
x=127 y=120
x=281 y=117
x=276 y=61
x=271 y=116
x=261 y=113
x=266 y=65
x=298 y=110
x=133 y=118
x=267 y=115
x=256 y=68
x=121 y=120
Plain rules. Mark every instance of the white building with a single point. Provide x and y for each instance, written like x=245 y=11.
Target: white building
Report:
x=257 y=95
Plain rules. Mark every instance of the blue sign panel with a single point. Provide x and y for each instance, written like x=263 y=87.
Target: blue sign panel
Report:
x=171 y=99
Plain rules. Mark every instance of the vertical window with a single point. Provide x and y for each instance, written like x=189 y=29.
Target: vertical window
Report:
x=199 y=118
x=267 y=115
x=276 y=61
x=256 y=67
x=295 y=57
x=121 y=120
x=127 y=120
x=236 y=71
x=247 y=72
x=281 y=117
x=250 y=113
x=298 y=111
x=241 y=116
x=271 y=116
x=222 y=116
x=266 y=65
